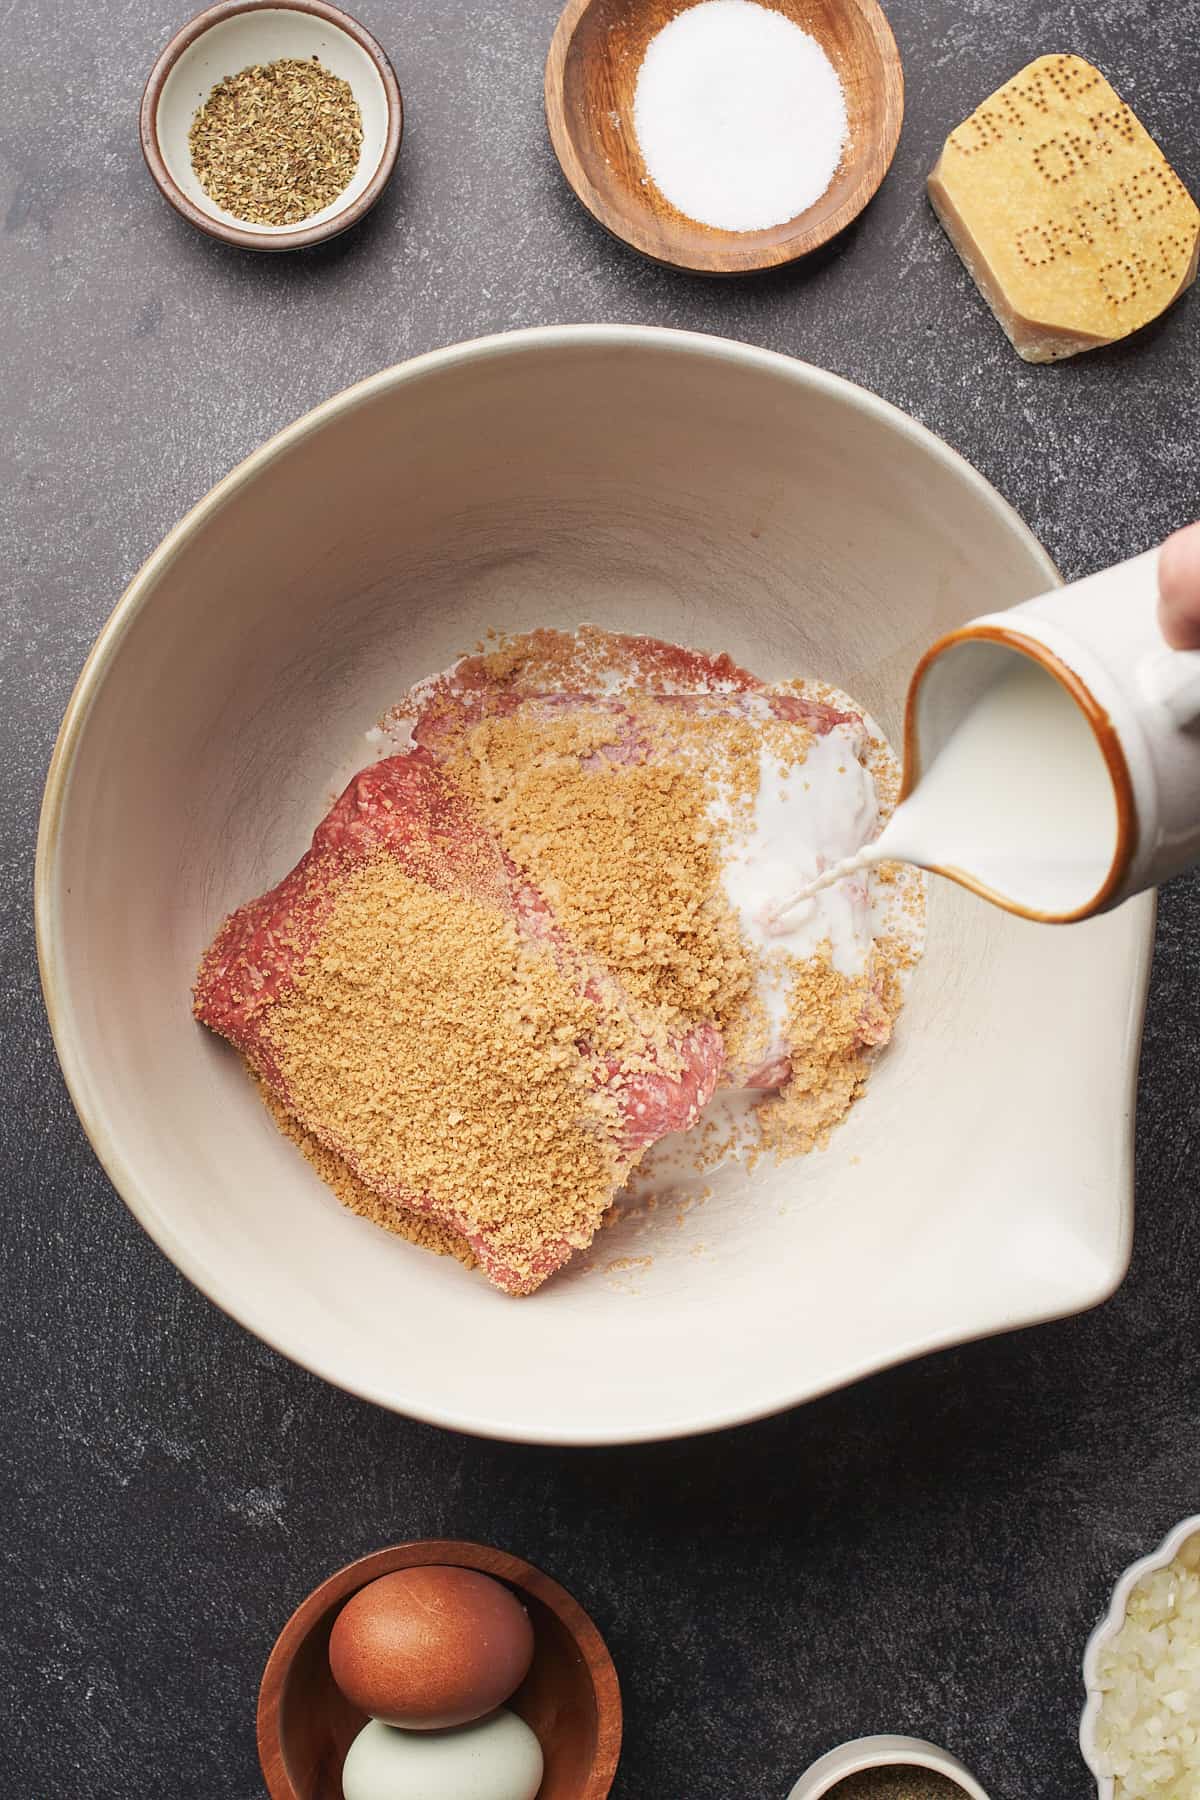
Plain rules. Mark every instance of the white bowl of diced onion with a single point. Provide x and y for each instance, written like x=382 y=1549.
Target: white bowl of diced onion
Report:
x=1140 y=1731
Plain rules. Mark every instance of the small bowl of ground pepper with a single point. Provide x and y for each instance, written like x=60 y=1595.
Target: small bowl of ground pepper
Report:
x=272 y=127
x=887 y=1768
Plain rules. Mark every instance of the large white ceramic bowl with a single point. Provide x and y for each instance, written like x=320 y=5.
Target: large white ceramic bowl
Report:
x=652 y=481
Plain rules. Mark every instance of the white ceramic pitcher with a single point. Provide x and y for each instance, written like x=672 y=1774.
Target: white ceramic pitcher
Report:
x=1092 y=790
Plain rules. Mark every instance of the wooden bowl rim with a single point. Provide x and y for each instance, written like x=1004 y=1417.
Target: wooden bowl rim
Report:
x=245 y=236
x=626 y=225
x=458 y=1553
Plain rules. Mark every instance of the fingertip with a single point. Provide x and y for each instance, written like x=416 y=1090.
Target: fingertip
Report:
x=1179 y=589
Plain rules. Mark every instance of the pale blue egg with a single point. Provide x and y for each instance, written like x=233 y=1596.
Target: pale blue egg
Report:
x=497 y=1758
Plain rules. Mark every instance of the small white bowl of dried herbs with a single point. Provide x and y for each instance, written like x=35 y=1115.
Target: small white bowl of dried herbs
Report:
x=272 y=126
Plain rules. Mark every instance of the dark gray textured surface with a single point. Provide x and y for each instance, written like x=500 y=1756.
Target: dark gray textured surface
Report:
x=926 y=1553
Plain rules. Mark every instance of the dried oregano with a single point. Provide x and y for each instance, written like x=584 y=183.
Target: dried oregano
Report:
x=277 y=142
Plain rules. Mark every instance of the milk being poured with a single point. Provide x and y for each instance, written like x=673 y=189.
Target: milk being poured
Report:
x=1018 y=797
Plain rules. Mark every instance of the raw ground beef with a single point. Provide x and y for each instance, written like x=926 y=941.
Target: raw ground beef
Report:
x=406 y=808
x=410 y=808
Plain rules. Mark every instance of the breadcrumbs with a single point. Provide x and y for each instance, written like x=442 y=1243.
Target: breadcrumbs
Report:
x=623 y=850
x=834 y=1022
x=357 y=1197
x=424 y=1032
x=591 y=660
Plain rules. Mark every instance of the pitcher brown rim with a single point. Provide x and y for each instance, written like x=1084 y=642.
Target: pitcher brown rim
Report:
x=1104 y=731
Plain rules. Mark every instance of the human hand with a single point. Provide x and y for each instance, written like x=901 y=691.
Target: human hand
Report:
x=1179 y=589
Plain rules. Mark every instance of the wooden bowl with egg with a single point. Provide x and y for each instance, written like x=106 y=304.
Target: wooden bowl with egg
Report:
x=570 y=1698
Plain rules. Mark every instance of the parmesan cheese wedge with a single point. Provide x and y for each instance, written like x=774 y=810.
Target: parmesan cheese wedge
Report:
x=1069 y=218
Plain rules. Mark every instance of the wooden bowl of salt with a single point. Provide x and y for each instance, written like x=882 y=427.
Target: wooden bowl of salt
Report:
x=728 y=137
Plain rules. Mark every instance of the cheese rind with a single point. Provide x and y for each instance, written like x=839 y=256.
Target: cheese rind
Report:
x=1069 y=218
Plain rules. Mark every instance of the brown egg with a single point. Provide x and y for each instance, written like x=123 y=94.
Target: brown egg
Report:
x=430 y=1647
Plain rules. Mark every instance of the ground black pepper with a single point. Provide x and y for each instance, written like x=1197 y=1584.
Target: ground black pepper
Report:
x=897 y=1782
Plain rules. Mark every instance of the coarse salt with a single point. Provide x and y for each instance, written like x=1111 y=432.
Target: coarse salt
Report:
x=740 y=115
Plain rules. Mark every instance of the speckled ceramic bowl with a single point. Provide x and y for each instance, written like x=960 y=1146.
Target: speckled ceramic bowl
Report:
x=234 y=35
x=1107 y=1629
x=702 y=491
